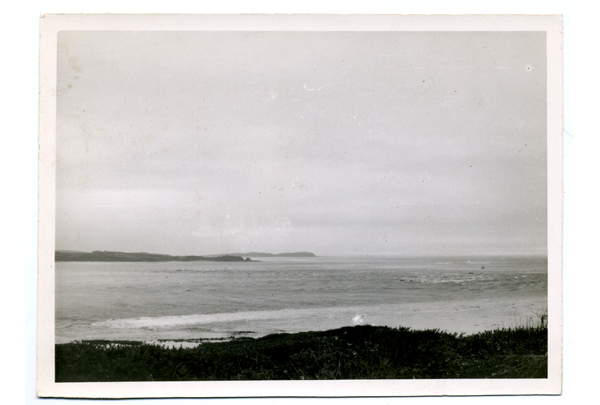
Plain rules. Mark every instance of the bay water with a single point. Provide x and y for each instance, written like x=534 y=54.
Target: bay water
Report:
x=220 y=300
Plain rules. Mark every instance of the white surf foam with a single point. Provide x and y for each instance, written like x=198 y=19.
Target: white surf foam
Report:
x=205 y=319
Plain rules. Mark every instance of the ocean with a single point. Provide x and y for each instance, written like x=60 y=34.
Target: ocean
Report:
x=221 y=300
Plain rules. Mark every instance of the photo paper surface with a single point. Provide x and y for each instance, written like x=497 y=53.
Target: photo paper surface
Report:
x=300 y=205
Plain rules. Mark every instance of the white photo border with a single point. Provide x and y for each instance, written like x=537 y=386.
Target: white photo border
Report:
x=52 y=24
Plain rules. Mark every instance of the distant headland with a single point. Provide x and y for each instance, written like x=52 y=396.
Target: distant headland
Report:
x=105 y=256
x=261 y=254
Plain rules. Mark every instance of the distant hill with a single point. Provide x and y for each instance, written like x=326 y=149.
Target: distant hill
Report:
x=261 y=254
x=103 y=256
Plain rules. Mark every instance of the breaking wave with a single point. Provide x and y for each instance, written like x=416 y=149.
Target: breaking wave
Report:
x=163 y=322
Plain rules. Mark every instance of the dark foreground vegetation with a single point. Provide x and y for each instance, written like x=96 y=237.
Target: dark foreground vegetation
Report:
x=360 y=352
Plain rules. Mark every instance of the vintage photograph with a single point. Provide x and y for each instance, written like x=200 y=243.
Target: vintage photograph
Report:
x=300 y=204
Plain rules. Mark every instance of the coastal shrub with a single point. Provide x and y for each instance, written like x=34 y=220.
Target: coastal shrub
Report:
x=359 y=352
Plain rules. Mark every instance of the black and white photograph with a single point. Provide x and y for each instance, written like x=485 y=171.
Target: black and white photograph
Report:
x=293 y=205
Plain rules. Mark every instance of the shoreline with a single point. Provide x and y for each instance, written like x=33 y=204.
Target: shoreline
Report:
x=462 y=316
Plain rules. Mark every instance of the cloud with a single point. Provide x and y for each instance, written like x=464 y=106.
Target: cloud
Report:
x=370 y=142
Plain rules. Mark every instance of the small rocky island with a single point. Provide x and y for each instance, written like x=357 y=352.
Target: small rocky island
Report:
x=261 y=254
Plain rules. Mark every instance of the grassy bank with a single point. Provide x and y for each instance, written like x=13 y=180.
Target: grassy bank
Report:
x=360 y=352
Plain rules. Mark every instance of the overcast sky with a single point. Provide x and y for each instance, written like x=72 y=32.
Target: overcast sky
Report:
x=334 y=143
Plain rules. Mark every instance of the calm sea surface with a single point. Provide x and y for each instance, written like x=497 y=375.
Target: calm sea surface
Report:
x=178 y=300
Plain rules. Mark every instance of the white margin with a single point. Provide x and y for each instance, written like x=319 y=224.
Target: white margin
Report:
x=49 y=27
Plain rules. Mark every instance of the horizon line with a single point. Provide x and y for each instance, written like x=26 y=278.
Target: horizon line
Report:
x=544 y=254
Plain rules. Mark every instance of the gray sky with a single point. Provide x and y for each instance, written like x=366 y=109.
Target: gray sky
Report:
x=335 y=143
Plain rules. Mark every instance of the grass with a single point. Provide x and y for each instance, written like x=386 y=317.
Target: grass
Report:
x=359 y=352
